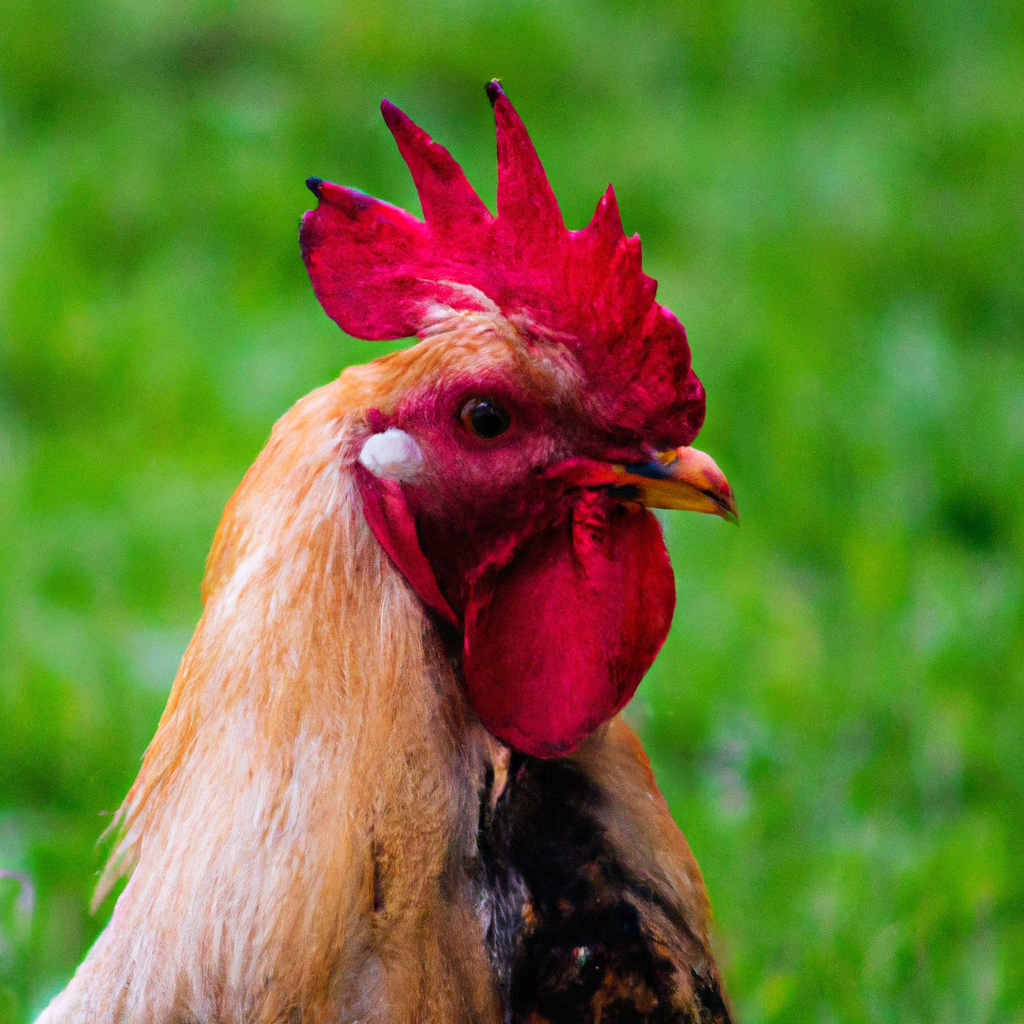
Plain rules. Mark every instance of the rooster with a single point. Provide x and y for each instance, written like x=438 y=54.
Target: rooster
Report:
x=390 y=784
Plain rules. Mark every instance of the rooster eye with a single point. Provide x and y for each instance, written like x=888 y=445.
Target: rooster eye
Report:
x=484 y=418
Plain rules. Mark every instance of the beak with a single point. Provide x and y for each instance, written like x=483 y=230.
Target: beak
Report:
x=683 y=478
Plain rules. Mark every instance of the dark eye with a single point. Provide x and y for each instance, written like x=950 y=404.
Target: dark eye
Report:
x=484 y=418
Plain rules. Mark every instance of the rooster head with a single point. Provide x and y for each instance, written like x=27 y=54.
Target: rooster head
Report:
x=511 y=456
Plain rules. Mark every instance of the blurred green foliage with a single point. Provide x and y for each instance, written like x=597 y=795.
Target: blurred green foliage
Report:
x=832 y=196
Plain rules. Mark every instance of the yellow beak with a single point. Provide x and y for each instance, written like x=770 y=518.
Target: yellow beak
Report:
x=683 y=478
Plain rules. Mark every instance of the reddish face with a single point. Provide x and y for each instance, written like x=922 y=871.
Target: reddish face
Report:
x=530 y=521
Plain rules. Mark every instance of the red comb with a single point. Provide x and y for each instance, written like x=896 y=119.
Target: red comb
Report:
x=378 y=272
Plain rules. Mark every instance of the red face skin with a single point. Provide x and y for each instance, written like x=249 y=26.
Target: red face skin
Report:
x=564 y=592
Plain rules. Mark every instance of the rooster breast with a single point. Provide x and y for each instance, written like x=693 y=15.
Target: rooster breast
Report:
x=601 y=913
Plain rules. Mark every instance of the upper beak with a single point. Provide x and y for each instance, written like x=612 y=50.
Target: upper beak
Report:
x=682 y=478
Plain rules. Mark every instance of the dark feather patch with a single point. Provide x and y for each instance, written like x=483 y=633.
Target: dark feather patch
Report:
x=574 y=936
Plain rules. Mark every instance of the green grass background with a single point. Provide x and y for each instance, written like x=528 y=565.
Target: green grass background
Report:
x=832 y=197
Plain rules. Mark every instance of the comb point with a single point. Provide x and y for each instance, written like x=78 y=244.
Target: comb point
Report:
x=494 y=91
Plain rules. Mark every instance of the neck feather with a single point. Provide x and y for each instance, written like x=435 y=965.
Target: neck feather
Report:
x=311 y=768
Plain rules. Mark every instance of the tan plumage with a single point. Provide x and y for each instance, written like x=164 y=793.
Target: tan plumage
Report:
x=304 y=837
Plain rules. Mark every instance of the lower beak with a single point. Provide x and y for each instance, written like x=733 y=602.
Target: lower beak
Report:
x=682 y=478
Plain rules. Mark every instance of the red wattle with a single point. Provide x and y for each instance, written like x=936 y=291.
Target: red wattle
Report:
x=557 y=641
x=388 y=516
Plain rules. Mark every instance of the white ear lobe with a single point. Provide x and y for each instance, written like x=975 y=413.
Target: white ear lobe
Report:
x=392 y=455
